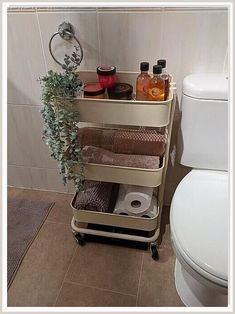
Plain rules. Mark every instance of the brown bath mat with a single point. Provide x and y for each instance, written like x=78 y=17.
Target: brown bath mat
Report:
x=24 y=220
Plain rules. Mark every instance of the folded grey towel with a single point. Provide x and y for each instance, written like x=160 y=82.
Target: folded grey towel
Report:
x=96 y=196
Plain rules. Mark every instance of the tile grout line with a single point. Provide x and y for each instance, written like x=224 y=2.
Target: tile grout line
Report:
x=122 y=9
x=38 y=189
x=98 y=33
x=42 y=46
x=56 y=299
x=99 y=288
x=58 y=223
x=14 y=165
x=225 y=59
x=36 y=167
x=138 y=289
x=162 y=31
x=20 y=104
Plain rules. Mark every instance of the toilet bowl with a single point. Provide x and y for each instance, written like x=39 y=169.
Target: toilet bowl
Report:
x=199 y=233
x=199 y=214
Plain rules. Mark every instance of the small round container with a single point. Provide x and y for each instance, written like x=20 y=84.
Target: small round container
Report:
x=121 y=91
x=107 y=76
x=94 y=90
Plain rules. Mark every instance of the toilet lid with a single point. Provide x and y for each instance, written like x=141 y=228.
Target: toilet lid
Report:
x=199 y=221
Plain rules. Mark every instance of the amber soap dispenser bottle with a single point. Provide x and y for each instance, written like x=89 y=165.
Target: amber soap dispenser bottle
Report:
x=165 y=76
x=156 y=89
x=142 y=82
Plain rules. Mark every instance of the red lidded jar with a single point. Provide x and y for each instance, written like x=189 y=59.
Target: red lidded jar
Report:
x=94 y=90
x=107 y=76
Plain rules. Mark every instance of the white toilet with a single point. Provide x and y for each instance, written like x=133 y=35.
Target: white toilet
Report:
x=199 y=216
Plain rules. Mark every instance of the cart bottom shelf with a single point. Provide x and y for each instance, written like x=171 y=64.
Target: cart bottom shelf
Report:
x=81 y=228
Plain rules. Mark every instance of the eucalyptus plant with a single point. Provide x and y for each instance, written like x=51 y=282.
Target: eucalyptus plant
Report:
x=61 y=132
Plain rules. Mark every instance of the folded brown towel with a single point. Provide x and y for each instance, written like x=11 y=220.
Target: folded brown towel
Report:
x=97 y=137
x=91 y=154
x=96 y=196
x=90 y=136
x=125 y=141
x=145 y=142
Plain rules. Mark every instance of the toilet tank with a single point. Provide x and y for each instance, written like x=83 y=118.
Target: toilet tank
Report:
x=204 y=124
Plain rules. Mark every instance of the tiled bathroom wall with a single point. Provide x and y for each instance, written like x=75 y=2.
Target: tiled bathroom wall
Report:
x=192 y=40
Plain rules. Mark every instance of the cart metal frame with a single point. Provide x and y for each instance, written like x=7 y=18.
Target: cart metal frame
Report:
x=119 y=113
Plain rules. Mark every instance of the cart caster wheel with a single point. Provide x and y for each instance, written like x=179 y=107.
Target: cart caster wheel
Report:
x=80 y=239
x=154 y=252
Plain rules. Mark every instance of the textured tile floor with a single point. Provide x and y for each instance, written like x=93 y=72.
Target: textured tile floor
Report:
x=58 y=272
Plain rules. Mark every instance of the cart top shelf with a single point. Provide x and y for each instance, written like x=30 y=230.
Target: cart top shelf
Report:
x=122 y=112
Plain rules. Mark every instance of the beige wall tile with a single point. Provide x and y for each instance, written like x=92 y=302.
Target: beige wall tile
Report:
x=71 y=188
x=19 y=177
x=185 y=38
x=25 y=144
x=25 y=59
x=189 y=43
x=36 y=178
x=226 y=62
x=129 y=38
x=47 y=179
x=85 y=26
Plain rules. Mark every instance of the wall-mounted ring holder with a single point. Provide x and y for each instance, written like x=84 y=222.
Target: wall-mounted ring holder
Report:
x=66 y=32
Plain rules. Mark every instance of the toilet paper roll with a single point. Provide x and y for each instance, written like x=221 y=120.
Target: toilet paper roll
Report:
x=151 y=212
x=134 y=198
x=138 y=198
x=145 y=191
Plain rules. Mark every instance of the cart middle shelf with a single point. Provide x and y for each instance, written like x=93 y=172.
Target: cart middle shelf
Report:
x=124 y=175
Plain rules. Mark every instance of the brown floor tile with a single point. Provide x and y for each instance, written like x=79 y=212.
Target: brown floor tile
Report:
x=42 y=271
x=99 y=266
x=157 y=285
x=61 y=211
x=78 y=295
x=106 y=266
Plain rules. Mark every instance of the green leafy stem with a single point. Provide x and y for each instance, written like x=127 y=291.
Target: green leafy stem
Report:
x=61 y=131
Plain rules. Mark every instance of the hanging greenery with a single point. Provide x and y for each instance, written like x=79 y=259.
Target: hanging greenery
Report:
x=61 y=132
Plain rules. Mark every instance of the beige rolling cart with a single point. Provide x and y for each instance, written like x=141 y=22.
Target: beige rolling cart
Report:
x=128 y=113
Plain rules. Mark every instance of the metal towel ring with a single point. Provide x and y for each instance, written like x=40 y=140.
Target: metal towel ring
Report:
x=66 y=31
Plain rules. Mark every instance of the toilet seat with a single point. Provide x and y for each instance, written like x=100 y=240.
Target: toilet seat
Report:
x=199 y=224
